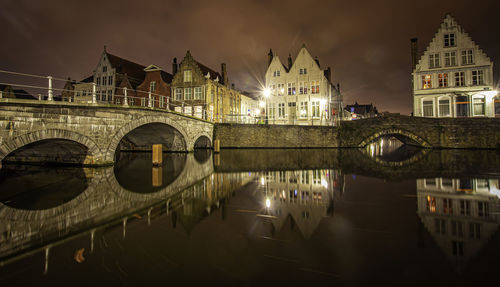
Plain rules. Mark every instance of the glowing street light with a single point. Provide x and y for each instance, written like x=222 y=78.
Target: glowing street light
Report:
x=266 y=93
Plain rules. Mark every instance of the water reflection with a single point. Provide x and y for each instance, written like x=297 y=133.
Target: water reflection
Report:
x=461 y=214
x=391 y=150
x=302 y=197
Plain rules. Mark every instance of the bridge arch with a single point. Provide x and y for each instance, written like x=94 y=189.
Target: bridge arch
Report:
x=144 y=121
x=94 y=155
x=404 y=136
x=203 y=141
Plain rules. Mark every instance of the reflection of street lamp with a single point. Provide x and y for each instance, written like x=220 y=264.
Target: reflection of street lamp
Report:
x=267 y=93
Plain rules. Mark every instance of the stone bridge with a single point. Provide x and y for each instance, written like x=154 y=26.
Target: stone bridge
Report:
x=482 y=133
x=91 y=134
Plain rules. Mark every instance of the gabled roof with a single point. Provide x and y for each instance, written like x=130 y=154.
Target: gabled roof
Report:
x=135 y=72
x=88 y=79
x=165 y=76
x=213 y=74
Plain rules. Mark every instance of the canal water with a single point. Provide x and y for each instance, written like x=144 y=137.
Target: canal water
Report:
x=388 y=214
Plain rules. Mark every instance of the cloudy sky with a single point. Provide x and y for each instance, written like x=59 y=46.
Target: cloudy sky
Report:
x=367 y=43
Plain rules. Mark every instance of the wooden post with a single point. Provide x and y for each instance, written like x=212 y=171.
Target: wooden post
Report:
x=216 y=159
x=217 y=146
x=157 y=179
x=157 y=154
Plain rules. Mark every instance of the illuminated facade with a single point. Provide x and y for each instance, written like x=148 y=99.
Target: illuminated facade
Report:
x=460 y=214
x=301 y=92
x=454 y=77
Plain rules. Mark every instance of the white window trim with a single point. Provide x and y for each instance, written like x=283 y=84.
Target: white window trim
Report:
x=433 y=107
x=449 y=105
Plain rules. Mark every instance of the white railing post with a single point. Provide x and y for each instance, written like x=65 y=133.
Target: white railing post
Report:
x=94 y=93
x=183 y=108
x=51 y=95
x=168 y=104
x=150 y=104
x=125 y=102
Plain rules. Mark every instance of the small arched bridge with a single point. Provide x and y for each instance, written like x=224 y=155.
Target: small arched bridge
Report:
x=481 y=133
x=41 y=131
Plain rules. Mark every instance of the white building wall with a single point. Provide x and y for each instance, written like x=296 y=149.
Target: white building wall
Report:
x=428 y=90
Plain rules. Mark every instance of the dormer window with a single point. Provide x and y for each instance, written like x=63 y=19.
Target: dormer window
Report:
x=303 y=71
x=449 y=40
x=188 y=76
x=152 y=86
x=276 y=74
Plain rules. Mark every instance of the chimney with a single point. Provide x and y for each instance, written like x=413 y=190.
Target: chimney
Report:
x=224 y=75
x=289 y=61
x=329 y=74
x=414 y=53
x=269 y=57
x=174 y=66
x=316 y=60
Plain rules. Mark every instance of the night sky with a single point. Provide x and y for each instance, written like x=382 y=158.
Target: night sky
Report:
x=367 y=43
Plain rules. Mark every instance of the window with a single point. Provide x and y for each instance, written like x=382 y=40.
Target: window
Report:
x=303 y=88
x=447 y=206
x=271 y=110
x=433 y=60
x=303 y=109
x=431 y=204
x=482 y=209
x=475 y=230
x=465 y=207
x=426 y=81
x=187 y=94
x=477 y=78
x=110 y=95
x=457 y=228
x=143 y=102
x=303 y=71
x=281 y=110
x=103 y=80
x=197 y=93
x=443 y=80
x=187 y=76
x=98 y=80
x=467 y=57
x=478 y=106
x=444 y=107
x=104 y=69
x=428 y=108
x=152 y=86
x=460 y=79
x=440 y=225
x=315 y=109
x=315 y=87
x=276 y=73
x=450 y=59
x=178 y=94
x=497 y=106
x=161 y=100
x=291 y=88
x=449 y=40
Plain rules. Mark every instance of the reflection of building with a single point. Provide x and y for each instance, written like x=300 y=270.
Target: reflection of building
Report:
x=454 y=77
x=460 y=214
x=300 y=92
x=304 y=196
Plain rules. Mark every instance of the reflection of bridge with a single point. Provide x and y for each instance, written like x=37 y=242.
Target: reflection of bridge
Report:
x=102 y=201
x=97 y=130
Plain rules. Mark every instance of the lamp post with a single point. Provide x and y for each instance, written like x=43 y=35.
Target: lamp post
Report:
x=267 y=93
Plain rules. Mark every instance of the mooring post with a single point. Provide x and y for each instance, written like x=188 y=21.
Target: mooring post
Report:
x=157 y=155
x=217 y=146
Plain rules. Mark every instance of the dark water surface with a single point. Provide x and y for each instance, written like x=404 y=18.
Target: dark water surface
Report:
x=387 y=214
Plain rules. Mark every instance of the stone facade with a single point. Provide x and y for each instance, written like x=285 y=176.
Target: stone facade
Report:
x=424 y=132
x=99 y=128
x=453 y=77
x=204 y=93
x=301 y=92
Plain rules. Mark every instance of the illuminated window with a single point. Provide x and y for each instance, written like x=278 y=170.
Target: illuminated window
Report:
x=477 y=77
x=152 y=86
x=449 y=40
x=450 y=59
x=303 y=109
x=315 y=109
x=443 y=80
x=178 y=94
x=444 y=107
x=303 y=88
x=187 y=76
x=431 y=204
x=187 y=94
x=467 y=57
x=478 y=106
x=315 y=87
x=427 y=81
x=197 y=93
x=291 y=89
x=434 y=60
x=428 y=108
x=460 y=79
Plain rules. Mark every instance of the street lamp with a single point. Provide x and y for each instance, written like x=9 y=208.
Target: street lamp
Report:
x=267 y=93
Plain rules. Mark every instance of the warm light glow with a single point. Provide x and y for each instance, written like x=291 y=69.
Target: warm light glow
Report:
x=268 y=203
x=262 y=181
x=282 y=90
x=488 y=93
x=324 y=183
x=262 y=104
x=257 y=111
x=267 y=92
